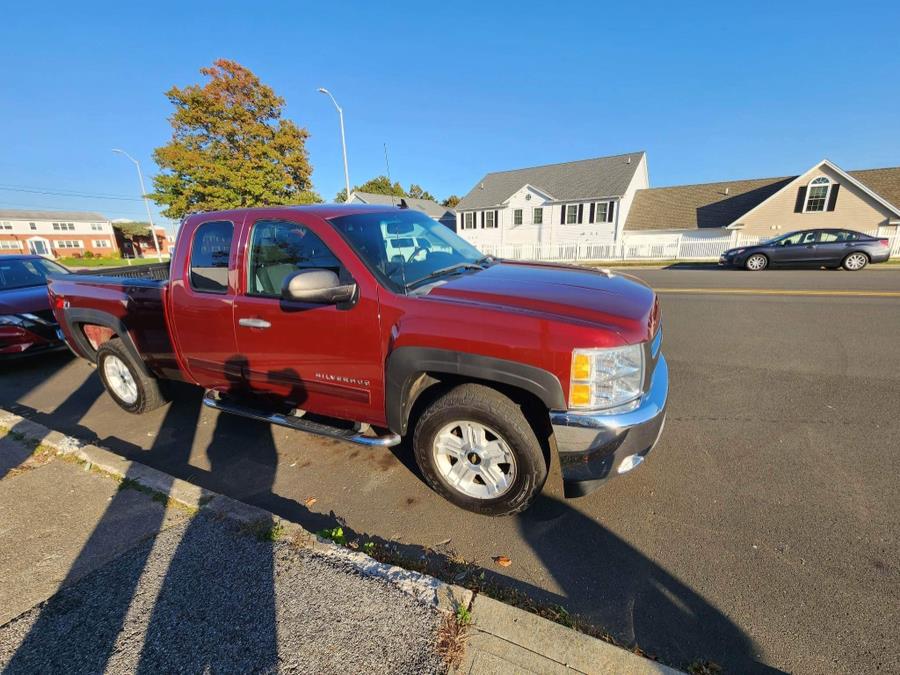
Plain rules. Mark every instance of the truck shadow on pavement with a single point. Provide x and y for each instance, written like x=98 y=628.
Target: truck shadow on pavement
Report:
x=603 y=581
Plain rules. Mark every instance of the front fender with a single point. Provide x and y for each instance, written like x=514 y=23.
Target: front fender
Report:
x=407 y=366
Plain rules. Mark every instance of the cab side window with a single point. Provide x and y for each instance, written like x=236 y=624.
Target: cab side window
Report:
x=210 y=252
x=279 y=248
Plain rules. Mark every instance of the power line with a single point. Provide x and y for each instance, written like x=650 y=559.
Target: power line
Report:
x=66 y=193
x=136 y=214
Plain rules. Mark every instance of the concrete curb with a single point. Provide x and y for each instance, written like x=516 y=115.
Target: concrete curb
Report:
x=500 y=635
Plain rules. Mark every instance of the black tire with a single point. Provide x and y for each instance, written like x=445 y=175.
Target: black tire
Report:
x=149 y=395
x=764 y=261
x=856 y=255
x=488 y=407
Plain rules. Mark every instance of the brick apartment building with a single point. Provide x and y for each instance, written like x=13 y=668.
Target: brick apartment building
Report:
x=56 y=234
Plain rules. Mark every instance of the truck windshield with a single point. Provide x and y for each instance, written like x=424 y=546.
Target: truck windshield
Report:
x=27 y=272
x=405 y=248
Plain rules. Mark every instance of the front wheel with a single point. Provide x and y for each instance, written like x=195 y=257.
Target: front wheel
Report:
x=855 y=261
x=757 y=262
x=476 y=449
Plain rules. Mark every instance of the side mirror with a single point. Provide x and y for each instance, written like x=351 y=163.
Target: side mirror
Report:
x=317 y=286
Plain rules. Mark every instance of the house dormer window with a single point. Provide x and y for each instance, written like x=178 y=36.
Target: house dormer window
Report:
x=817 y=194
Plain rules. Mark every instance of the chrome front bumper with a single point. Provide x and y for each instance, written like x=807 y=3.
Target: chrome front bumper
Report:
x=594 y=447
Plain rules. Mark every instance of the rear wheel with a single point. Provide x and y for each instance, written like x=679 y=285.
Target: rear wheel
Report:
x=757 y=262
x=855 y=261
x=130 y=387
x=476 y=449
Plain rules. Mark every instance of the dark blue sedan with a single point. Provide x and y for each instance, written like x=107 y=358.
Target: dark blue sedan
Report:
x=811 y=248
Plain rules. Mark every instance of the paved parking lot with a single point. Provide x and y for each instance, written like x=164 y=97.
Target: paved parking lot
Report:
x=761 y=533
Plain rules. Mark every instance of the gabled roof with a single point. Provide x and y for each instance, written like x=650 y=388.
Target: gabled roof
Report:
x=569 y=181
x=24 y=214
x=687 y=207
x=427 y=206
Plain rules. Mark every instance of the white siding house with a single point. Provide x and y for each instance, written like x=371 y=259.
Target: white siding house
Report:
x=583 y=202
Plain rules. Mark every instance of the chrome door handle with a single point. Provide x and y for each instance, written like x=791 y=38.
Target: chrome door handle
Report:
x=254 y=323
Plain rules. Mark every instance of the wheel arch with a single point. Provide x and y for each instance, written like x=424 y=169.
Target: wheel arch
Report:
x=77 y=317
x=413 y=371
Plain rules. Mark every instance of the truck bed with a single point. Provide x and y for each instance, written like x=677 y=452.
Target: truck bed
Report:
x=129 y=302
x=155 y=271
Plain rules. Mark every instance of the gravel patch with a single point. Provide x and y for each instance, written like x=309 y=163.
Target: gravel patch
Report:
x=203 y=596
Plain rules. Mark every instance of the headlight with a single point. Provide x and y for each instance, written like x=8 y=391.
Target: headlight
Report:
x=737 y=251
x=606 y=378
x=13 y=320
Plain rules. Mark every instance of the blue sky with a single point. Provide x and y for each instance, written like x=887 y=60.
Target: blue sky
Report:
x=712 y=91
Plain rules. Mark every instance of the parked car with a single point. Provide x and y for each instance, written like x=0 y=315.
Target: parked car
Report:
x=305 y=317
x=811 y=248
x=27 y=324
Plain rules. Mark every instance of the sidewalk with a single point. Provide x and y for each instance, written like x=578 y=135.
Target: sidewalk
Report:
x=109 y=565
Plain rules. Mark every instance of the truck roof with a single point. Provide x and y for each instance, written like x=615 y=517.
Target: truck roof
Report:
x=321 y=210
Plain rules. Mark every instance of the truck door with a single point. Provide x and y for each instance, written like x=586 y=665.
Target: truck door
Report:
x=202 y=305
x=324 y=359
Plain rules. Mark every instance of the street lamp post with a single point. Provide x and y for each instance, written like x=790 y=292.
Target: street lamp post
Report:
x=146 y=201
x=343 y=139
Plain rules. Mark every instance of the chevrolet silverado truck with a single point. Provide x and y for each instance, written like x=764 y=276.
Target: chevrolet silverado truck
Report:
x=308 y=317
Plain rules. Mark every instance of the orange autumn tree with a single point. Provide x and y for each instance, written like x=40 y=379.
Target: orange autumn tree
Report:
x=230 y=147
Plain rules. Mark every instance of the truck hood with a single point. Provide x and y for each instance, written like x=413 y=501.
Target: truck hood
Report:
x=616 y=301
x=28 y=299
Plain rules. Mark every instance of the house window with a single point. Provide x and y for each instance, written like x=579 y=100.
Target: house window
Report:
x=489 y=220
x=10 y=244
x=604 y=212
x=101 y=243
x=817 y=194
x=517 y=217
x=538 y=216
x=571 y=214
x=468 y=221
x=96 y=227
x=33 y=226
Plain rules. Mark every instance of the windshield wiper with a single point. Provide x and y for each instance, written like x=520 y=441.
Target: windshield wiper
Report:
x=445 y=270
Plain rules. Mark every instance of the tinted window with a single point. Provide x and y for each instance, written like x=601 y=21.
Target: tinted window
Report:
x=837 y=236
x=29 y=272
x=278 y=248
x=797 y=238
x=209 y=257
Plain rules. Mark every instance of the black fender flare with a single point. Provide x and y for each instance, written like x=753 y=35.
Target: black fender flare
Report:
x=75 y=316
x=408 y=367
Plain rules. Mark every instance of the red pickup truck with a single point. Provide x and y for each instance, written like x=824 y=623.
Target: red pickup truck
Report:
x=324 y=319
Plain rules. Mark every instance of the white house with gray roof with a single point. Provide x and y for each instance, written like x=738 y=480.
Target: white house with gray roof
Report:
x=582 y=202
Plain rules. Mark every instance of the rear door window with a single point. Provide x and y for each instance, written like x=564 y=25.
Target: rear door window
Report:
x=210 y=252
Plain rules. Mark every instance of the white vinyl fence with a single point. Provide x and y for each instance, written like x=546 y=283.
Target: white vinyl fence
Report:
x=638 y=246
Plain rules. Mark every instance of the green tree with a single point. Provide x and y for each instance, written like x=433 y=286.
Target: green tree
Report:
x=230 y=147
x=416 y=192
x=380 y=185
x=451 y=201
x=133 y=228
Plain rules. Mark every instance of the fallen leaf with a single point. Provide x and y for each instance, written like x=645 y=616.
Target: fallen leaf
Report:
x=503 y=561
x=310 y=501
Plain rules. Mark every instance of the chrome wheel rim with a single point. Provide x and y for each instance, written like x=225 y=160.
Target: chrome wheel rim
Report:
x=756 y=262
x=855 y=261
x=474 y=459
x=119 y=379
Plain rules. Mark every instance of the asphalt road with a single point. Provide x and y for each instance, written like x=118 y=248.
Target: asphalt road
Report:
x=761 y=533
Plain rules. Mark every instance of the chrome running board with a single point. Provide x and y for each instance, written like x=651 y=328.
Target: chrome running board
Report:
x=299 y=423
